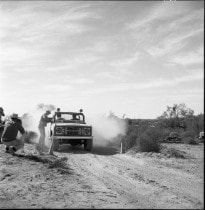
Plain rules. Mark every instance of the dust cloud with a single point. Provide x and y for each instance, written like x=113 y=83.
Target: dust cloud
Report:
x=30 y=123
x=107 y=130
x=44 y=107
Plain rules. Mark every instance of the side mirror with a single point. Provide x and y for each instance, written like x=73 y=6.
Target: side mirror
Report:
x=81 y=110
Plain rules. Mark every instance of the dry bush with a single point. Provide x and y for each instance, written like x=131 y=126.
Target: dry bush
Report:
x=59 y=163
x=172 y=152
x=149 y=141
x=189 y=133
x=189 y=137
x=129 y=140
x=190 y=140
x=165 y=132
x=144 y=138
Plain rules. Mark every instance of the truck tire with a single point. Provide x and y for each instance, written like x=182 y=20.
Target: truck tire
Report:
x=55 y=144
x=88 y=145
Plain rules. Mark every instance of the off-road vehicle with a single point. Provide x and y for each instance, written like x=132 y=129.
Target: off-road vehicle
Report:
x=70 y=128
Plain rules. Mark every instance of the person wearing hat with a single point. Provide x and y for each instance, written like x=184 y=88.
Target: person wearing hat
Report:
x=42 y=124
x=1 y=114
x=57 y=115
x=1 y=121
x=75 y=117
x=10 y=132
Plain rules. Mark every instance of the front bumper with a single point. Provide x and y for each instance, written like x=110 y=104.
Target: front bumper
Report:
x=72 y=137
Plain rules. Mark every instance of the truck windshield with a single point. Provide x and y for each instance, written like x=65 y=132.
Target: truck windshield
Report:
x=68 y=117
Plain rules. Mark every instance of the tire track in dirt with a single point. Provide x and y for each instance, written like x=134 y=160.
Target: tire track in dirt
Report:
x=186 y=187
x=137 y=184
x=127 y=190
x=111 y=184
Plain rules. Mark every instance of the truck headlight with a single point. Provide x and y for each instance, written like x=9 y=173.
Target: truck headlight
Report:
x=86 y=131
x=59 y=130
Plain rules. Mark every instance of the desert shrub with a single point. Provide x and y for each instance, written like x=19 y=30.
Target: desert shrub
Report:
x=195 y=123
x=146 y=144
x=144 y=138
x=149 y=140
x=58 y=163
x=172 y=152
x=174 y=134
x=165 y=132
x=189 y=137
x=190 y=140
x=129 y=140
x=189 y=133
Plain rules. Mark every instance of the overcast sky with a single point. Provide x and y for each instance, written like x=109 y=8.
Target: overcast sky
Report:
x=128 y=57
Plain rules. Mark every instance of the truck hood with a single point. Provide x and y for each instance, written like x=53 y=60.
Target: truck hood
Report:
x=71 y=124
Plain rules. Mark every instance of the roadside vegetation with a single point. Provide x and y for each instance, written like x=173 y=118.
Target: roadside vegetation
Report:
x=177 y=124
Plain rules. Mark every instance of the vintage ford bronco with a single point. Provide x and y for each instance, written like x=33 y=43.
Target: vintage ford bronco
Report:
x=70 y=128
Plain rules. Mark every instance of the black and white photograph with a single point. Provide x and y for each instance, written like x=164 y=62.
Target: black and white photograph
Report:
x=101 y=104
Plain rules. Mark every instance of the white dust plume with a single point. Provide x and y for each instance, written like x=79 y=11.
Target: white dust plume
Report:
x=45 y=107
x=30 y=122
x=107 y=130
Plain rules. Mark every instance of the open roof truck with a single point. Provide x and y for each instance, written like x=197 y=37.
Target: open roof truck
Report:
x=70 y=128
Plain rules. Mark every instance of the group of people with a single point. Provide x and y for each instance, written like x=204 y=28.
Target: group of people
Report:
x=11 y=126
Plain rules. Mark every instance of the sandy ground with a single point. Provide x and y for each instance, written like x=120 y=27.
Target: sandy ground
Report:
x=74 y=178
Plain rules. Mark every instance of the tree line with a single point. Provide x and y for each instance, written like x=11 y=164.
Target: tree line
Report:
x=147 y=134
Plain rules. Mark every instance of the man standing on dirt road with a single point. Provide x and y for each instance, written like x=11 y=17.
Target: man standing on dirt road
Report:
x=42 y=124
x=58 y=117
x=10 y=132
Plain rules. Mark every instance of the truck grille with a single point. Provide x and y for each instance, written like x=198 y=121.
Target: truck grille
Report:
x=72 y=131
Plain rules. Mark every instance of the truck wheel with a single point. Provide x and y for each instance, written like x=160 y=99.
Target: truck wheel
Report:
x=55 y=144
x=88 y=145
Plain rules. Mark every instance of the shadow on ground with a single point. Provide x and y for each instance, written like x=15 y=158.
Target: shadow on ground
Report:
x=97 y=150
x=50 y=161
x=105 y=150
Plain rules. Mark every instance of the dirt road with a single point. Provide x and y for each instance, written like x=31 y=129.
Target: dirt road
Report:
x=104 y=178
